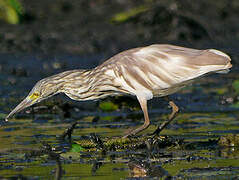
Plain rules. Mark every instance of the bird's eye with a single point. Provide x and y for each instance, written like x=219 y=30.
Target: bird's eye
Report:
x=35 y=95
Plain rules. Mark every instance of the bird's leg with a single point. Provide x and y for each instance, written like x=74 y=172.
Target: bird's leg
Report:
x=171 y=117
x=143 y=104
x=173 y=114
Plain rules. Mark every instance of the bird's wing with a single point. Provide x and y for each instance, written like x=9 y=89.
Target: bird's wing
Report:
x=189 y=55
x=164 y=66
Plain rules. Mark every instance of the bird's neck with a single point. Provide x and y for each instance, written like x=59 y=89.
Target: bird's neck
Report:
x=87 y=84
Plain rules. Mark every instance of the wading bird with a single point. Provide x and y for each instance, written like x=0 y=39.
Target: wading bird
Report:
x=144 y=72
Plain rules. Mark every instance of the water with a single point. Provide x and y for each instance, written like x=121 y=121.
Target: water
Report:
x=207 y=114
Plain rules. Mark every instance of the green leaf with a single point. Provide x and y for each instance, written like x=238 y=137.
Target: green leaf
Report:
x=108 y=106
x=16 y=6
x=76 y=148
x=11 y=16
x=10 y=11
x=124 y=16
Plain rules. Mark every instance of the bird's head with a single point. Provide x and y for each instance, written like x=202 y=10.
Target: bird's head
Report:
x=43 y=89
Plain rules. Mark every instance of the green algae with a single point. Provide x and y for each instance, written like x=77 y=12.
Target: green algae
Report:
x=199 y=149
x=118 y=143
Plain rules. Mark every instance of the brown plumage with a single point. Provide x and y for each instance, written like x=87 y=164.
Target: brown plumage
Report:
x=156 y=70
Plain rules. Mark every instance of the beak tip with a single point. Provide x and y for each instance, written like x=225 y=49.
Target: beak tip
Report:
x=25 y=103
x=6 y=118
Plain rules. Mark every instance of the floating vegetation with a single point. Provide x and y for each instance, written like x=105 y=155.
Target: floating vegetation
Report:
x=118 y=143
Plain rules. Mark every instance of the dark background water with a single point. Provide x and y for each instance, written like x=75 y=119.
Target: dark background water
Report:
x=52 y=37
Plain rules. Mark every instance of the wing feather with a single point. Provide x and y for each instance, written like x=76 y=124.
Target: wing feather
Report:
x=158 y=67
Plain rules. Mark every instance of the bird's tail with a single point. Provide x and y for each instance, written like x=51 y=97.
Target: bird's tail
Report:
x=215 y=61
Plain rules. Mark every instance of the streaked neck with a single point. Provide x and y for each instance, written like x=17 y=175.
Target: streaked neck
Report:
x=87 y=84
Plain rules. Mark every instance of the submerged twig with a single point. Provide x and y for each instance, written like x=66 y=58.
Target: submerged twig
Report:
x=69 y=131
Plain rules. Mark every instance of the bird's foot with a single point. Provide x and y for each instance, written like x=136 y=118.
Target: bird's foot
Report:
x=133 y=133
x=129 y=134
x=156 y=132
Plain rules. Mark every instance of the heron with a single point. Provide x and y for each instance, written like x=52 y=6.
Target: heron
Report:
x=156 y=70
